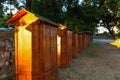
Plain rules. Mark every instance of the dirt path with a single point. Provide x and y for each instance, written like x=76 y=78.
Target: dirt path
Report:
x=97 y=62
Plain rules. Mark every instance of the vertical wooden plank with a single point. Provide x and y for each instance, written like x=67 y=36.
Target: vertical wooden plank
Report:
x=23 y=48
x=36 y=54
x=53 y=44
x=65 y=57
x=16 y=51
x=58 y=50
x=46 y=47
x=74 y=53
x=69 y=33
x=66 y=48
x=76 y=35
x=80 y=43
x=49 y=51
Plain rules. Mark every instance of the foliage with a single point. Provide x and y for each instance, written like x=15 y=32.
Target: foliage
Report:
x=110 y=15
x=77 y=16
x=118 y=35
x=3 y=20
x=51 y=9
x=6 y=11
x=68 y=12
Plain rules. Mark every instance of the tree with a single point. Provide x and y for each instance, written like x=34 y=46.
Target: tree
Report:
x=6 y=11
x=110 y=15
x=81 y=17
x=28 y=4
x=78 y=17
x=107 y=12
x=51 y=9
x=2 y=18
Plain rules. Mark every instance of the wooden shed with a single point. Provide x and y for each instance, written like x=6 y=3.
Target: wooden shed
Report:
x=64 y=46
x=35 y=47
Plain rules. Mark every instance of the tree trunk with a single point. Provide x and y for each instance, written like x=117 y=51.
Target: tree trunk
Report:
x=112 y=33
x=28 y=4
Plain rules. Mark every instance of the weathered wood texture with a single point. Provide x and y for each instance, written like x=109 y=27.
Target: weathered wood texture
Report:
x=84 y=40
x=65 y=48
x=74 y=45
x=41 y=47
x=76 y=40
x=35 y=48
x=80 y=42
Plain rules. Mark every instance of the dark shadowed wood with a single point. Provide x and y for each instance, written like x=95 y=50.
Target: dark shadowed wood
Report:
x=74 y=45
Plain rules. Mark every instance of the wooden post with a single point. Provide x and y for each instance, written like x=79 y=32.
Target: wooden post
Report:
x=35 y=47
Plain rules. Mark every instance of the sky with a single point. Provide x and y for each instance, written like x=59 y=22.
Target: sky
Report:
x=80 y=1
x=102 y=29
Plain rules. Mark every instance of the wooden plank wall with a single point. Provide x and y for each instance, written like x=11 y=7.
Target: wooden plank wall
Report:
x=70 y=44
x=36 y=52
x=41 y=47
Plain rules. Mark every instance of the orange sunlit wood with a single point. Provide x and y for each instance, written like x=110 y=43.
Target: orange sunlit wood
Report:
x=58 y=48
x=24 y=64
x=35 y=47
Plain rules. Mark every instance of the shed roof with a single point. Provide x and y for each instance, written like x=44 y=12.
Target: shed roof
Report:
x=23 y=12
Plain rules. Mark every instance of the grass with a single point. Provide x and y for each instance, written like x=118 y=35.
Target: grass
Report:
x=116 y=43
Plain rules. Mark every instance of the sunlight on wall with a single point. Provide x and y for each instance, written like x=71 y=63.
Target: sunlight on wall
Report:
x=23 y=54
x=62 y=27
x=58 y=48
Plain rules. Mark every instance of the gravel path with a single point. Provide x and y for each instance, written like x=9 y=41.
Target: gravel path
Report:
x=97 y=62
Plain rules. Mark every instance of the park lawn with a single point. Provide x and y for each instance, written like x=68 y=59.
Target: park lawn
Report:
x=116 y=43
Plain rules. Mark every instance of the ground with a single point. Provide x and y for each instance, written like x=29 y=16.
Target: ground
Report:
x=100 y=61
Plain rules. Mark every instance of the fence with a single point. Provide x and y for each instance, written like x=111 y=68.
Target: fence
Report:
x=35 y=47
x=41 y=46
x=65 y=47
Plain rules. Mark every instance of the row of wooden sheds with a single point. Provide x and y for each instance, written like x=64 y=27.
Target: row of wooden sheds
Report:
x=41 y=46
